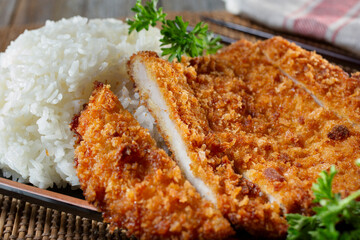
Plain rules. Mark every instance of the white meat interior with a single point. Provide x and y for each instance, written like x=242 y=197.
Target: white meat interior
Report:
x=157 y=105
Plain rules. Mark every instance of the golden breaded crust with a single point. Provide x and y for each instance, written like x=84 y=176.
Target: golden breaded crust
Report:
x=288 y=138
x=134 y=183
x=329 y=83
x=294 y=132
x=238 y=199
x=261 y=123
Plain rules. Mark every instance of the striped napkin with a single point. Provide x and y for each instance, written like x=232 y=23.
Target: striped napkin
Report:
x=335 y=21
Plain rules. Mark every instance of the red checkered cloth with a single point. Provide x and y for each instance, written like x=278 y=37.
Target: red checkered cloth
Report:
x=336 y=21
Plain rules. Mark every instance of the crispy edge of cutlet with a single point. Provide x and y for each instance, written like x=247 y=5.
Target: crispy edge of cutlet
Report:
x=243 y=123
x=338 y=94
x=237 y=198
x=327 y=82
x=285 y=172
x=134 y=183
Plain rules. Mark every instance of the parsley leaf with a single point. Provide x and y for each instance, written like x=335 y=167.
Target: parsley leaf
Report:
x=145 y=16
x=335 y=218
x=179 y=41
x=176 y=41
x=322 y=189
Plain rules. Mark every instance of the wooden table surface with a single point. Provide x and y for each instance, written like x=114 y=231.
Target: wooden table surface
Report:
x=20 y=12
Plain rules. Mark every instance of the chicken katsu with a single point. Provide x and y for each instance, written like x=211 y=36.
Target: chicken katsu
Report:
x=136 y=185
x=334 y=88
x=297 y=125
x=252 y=126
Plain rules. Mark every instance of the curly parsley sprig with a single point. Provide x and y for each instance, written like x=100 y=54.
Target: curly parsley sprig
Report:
x=335 y=218
x=176 y=40
x=145 y=16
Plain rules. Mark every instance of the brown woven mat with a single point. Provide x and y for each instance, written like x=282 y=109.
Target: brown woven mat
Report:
x=24 y=220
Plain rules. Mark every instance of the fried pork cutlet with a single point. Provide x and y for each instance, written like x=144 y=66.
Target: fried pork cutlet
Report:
x=304 y=138
x=134 y=183
x=199 y=149
x=329 y=83
x=252 y=133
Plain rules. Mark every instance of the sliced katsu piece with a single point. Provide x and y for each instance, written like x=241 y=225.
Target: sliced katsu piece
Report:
x=239 y=111
x=295 y=139
x=198 y=149
x=136 y=185
x=331 y=85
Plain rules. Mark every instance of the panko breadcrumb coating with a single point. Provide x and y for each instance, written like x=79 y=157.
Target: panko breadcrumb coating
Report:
x=134 y=183
x=238 y=199
x=255 y=134
x=336 y=90
x=297 y=137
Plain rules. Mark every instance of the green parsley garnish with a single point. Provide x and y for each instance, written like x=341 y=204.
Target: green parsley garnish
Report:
x=176 y=41
x=335 y=218
x=145 y=16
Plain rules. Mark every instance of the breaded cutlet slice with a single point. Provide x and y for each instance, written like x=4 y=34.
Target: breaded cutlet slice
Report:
x=198 y=149
x=334 y=88
x=136 y=185
x=296 y=137
x=239 y=111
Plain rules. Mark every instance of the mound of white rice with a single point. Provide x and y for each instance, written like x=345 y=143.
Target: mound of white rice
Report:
x=46 y=76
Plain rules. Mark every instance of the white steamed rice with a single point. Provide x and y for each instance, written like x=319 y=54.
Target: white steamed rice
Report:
x=46 y=76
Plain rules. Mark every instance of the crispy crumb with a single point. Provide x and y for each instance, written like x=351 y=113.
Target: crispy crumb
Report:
x=237 y=198
x=255 y=131
x=134 y=183
x=334 y=87
x=339 y=132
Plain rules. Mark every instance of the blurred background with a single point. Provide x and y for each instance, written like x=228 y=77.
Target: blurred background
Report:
x=321 y=16
x=17 y=12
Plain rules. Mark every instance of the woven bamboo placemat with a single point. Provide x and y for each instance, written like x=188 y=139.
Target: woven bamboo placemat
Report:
x=24 y=220
x=28 y=220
